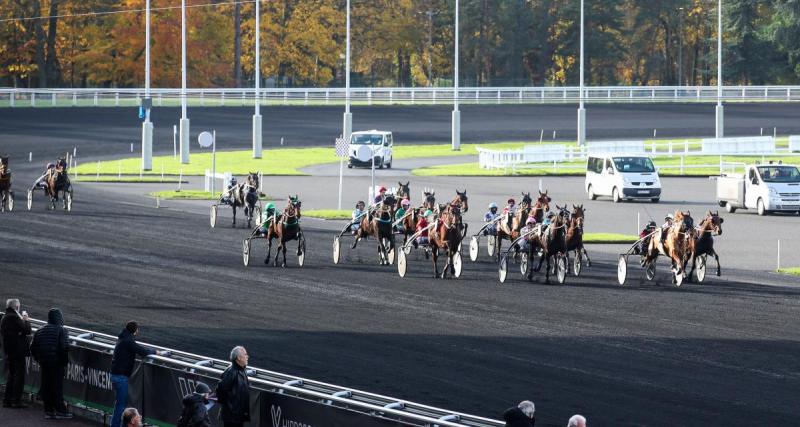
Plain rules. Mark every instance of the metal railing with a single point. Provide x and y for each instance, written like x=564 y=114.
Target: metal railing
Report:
x=10 y=97
x=322 y=393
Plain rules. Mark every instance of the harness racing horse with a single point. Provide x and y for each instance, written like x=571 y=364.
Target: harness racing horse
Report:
x=575 y=235
x=378 y=224
x=245 y=195
x=509 y=228
x=446 y=235
x=675 y=245
x=58 y=182
x=553 y=242
x=5 y=183
x=703 y=242
x=462 y=203
x=285 y=228
x=403 y=192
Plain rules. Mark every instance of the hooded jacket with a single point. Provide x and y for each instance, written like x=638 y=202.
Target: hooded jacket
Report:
x=125 y=354
x=514 y=417
x=233 y=394
x=194 y=412
x=50 y=345
x=15 y=333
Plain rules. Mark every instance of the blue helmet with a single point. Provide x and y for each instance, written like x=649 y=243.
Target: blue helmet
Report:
x=493 y=205
x=51 y=165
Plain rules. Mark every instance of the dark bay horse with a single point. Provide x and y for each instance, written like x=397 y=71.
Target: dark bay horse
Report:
x=703 y=241
x=245 y=195
x=575 y=234
x=553 y=242
x=58 y=182
x=403 y=192
x=461 y=201
x=285 y=228
x=445 y=235
x=5 y=182
x=378 y=224
x=509 y=228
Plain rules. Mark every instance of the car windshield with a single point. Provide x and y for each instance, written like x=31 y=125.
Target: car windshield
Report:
x=367 y=139
x=779 y=173
x=634 y=164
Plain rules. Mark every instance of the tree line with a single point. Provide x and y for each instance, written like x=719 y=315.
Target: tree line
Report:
x=100 y=43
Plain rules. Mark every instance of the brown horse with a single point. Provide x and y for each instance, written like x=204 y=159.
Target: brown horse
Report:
x=446 y=235
x=675 y=245
x=508 y=228
x=403 y=192
x=462 y=203
x=5 y=183
x=245 y=195
x=553 y=242
x=703 y=241
x=285 y=228
x=58 y=182
x=575 y=234
x=378 y=224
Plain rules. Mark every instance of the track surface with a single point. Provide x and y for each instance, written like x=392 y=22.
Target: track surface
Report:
x=638 y=355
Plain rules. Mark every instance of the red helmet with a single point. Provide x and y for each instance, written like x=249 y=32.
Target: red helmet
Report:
x=382 y=189
x=511 y=201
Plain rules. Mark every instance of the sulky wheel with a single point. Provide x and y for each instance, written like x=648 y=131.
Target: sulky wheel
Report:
x=30 y=199
x=457 y=264
x=10 y=202
x=68 y=201
x=402 y=263
x=561 y=268
x=213 y=217
x=677 y=278
x=523 y=264
x=301 y=250
x=622 y=269
x=650 y=271
x=473 y=248
x=246 y=252
x=502 y=270
x=577 y=263
x=701 y=268
x=491 y=244
x=337 y=249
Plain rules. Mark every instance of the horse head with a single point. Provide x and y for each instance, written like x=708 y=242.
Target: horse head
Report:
x=713 y=222
x=578 y=214
x=543 y=201
x=526 y=199
x=462 y=200
x=253 y=181
x=403 y=190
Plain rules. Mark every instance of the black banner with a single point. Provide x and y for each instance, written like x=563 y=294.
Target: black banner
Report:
x=278 y=410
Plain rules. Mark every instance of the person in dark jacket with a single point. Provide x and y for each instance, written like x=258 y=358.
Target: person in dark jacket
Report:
x=122 y=364
x=521 y=415
x=233 y=390
x=195 y=411
x=15 y=330
x=50 y=348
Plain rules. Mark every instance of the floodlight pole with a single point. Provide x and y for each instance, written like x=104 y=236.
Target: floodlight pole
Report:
x=347 y=125
x=184 y=123
x=720 y=116
x=147 y=125
x=257 y=147
x=456 y=122
x=581 y=109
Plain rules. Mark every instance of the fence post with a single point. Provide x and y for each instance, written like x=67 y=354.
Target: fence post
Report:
x=95 y=99
x=11 y=98
x=222 y=98
x=682 y=164
x=285 y=97
x=53 y=99
x=33 y=99
x=305 y=100
x=327 y=97
x=686 y=146
x=202 y=99
x=74 y=99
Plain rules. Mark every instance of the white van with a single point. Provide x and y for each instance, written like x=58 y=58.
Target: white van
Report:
x=622 y=177
x=772 y=187
x=368 y=145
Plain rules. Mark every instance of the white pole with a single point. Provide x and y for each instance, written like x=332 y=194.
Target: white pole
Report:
x=341 y=172
x=779 y=254
x=257 y=147
x=174 y=141
x=347 y=125
x=581 y=109
x=372 y=175
x=147 y=126
x=456 y=120
x=720 y=122
x=213 y=160
x=184 y=124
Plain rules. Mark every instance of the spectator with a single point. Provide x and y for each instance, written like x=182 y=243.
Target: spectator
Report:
x=577 y=421
x=233 y=390
x=49 y=348
x=195 y=411
x=521 y=415
x=122 y=367
x=131 y=418
x=15 y=330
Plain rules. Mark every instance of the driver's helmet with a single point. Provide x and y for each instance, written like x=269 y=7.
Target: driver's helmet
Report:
x=382 y=189
x=530 y=220
x=651 y=224
x=669 y=217
x=405 y=203
x=360 y=204
x=51 y=165
x=511 y=201
x=270 y=206
x=493 y=205
x=233 y=181
x=551 y=214
x=428 y=214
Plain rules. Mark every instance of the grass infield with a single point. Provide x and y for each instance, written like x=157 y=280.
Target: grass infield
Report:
x=327 y=213
x=598 y=238
x=794 y=271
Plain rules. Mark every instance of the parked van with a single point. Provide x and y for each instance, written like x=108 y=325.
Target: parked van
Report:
x=622 y=177
x=369 y=145
x=772 y=187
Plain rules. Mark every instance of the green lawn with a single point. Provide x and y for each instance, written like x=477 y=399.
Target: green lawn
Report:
x=126 y=179
x=609 y=238
x=327 y=213
x=185 y=195
x=794 y=271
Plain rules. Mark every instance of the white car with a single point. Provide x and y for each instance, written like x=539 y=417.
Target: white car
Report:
x=767 y=188
x=622 y=177
x=369 y=145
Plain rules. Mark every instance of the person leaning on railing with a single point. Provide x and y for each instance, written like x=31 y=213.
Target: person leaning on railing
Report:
x=520 y=415
x=50 y=348
x=15 y=330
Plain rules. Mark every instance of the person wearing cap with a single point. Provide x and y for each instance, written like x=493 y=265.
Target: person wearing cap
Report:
x=530 y=225
x=47 y=171
x=520 y=415
x=404 y=205
x=15 y=330
x=510 y=210
x=195 y=407
x=355 y=217
x=381 y=195
x=644 y=238
x=422 y=227
x=267 y=216
x=50 y=349
x=668 y=220
x=228 y=194
x=490 y=216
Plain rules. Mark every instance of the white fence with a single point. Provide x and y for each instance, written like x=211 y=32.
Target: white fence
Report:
x=615 y=147
x=224 y=176
x=738 y=146
x=794 y=143
x=11 y=97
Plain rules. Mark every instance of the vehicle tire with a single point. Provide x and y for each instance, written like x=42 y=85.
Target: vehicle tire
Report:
x=380 y=166
x=615 y=195
x=561 y=269
x=577 y=264
x=701 y=268
x=502 y=270
x=337 y=249
x=246 y=252
x=729 y=208
x=349 y=166
x=650 y=271
x=761 y=210
x=590 y=190
x=622 y=269
x=402 y=265
x=473 y=248
x=389 y=165
x=655 y=199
